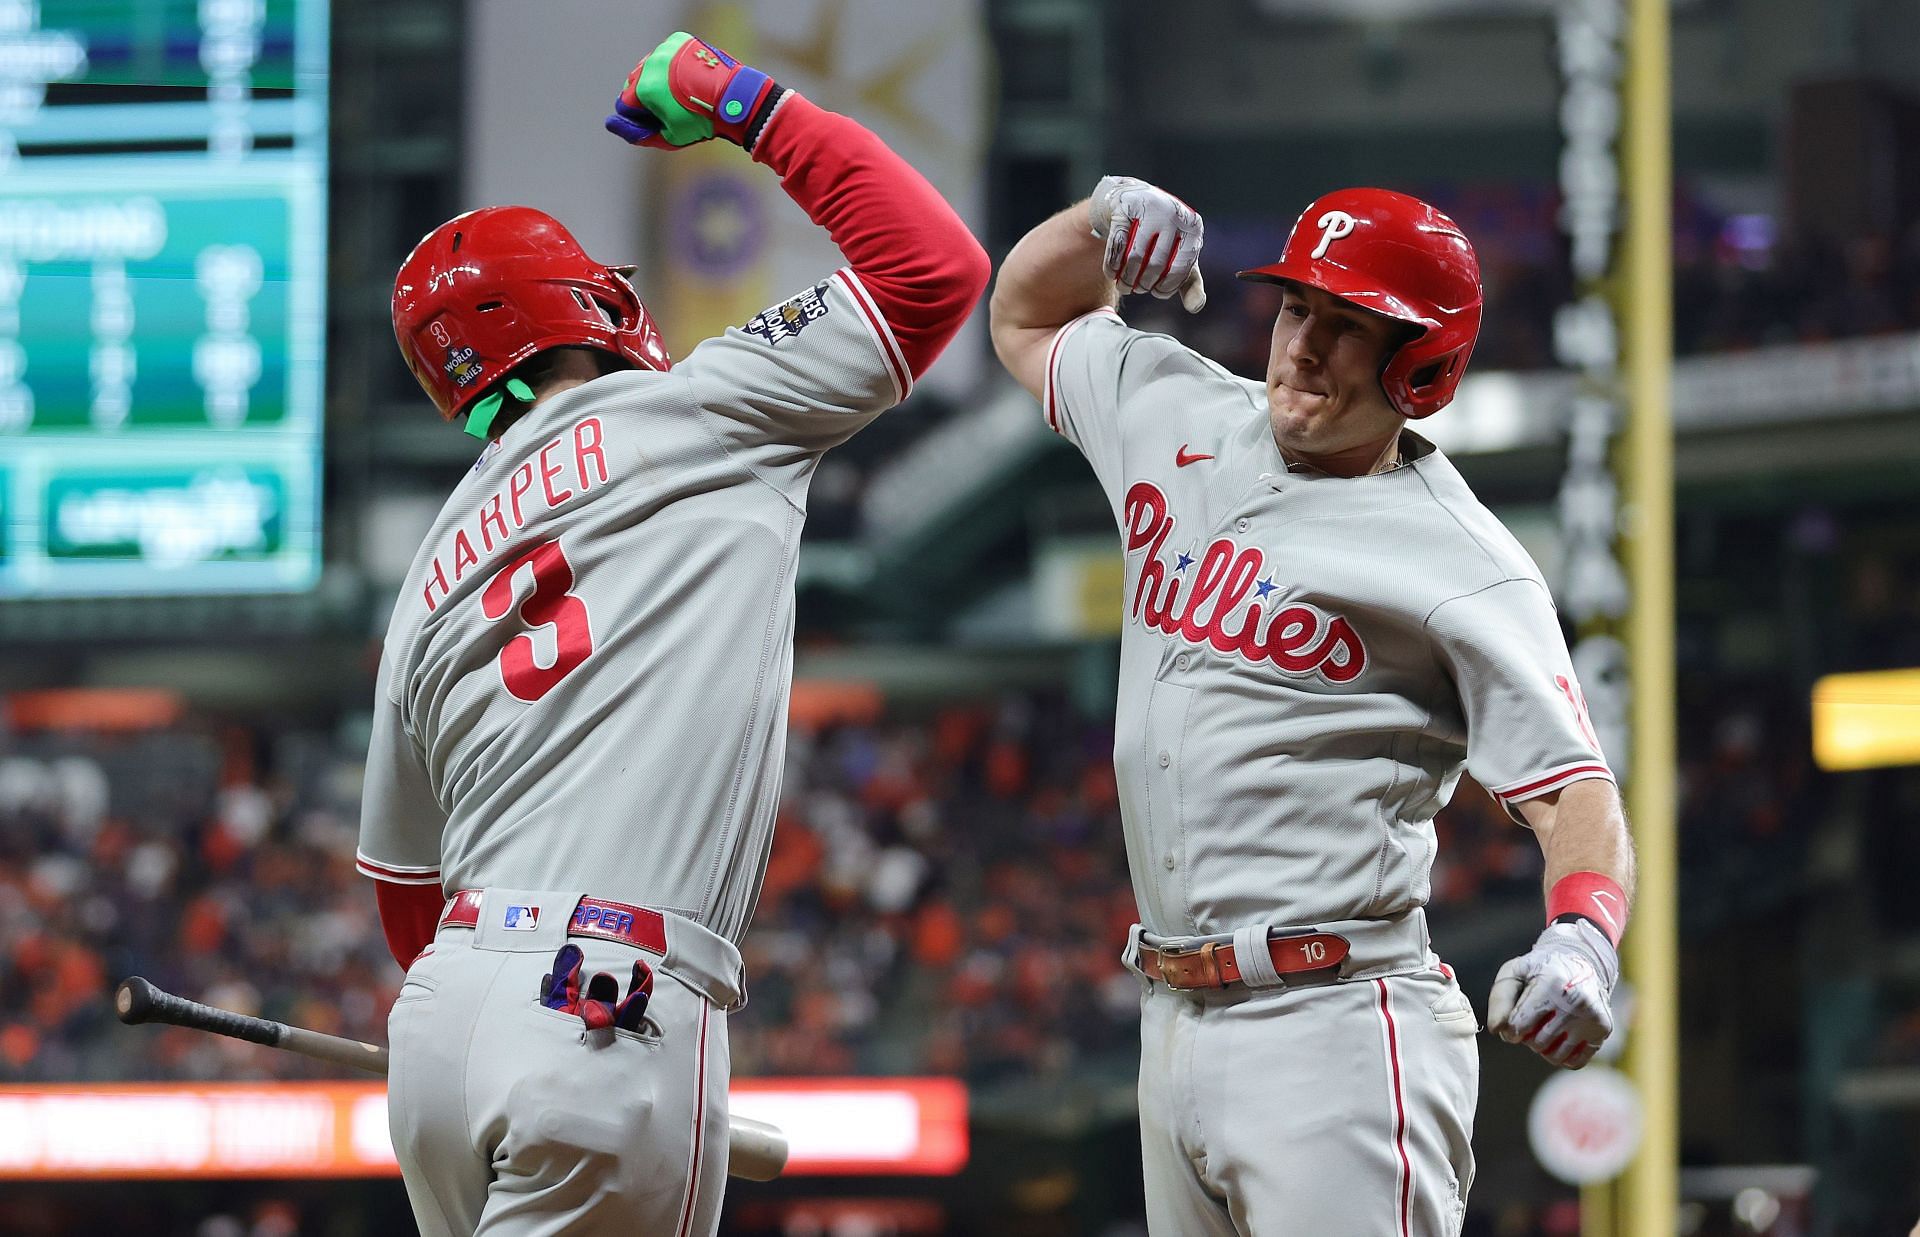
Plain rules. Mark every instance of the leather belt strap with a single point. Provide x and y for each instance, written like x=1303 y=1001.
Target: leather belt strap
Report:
x=637 y=926
x=1214 y=964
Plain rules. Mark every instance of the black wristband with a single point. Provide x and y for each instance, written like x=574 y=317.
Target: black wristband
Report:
x=758 y=120
x=1573 y=916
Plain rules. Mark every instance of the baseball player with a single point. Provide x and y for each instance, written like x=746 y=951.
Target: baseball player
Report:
x=1322 y=627
x=577 y=739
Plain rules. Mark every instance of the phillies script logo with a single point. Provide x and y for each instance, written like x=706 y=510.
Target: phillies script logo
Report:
x=1295 y=638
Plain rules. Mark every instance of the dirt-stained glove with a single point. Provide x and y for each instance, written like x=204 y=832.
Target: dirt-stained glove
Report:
x=1153 y=239
x=1556 y=998
x=686 y=91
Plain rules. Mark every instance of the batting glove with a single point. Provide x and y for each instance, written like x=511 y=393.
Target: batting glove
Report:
x=686 y=91
x=1556 y=999
x=597 y=1001
x=1153 y=239
x=560 y=988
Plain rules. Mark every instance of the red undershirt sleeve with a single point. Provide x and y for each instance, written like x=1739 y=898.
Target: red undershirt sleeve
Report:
x=408 y=916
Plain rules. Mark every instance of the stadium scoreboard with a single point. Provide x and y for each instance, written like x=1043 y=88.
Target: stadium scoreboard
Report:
x=162 y=295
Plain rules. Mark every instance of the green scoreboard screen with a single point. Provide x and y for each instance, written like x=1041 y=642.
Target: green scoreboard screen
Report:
x=162 y=295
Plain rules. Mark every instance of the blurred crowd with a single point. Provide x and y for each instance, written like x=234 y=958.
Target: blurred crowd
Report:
x=181 y=856
x=1741 y=287
x=947 y=893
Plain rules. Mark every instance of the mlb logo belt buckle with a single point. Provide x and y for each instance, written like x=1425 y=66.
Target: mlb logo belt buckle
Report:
x=1214 y=964
x=639 y=926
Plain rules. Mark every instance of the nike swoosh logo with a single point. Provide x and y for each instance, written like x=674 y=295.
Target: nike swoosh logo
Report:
x=1600 y=900
x=1181 y=458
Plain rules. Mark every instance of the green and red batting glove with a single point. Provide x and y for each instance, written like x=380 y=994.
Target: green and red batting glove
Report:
x=686 y=91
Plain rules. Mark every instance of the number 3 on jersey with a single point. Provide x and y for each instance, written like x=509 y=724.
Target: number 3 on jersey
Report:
x=550 y=604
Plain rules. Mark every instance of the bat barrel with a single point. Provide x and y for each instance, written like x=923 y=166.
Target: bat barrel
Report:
x=756 y=1151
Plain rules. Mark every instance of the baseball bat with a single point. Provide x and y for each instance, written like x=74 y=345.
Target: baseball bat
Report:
x=756 y=1151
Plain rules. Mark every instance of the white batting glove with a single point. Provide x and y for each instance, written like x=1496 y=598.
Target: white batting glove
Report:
x=1153 y=239
x=1557 y=998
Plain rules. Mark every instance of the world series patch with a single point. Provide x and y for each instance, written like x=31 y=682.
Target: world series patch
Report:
x=783 y=322
x=461 y=366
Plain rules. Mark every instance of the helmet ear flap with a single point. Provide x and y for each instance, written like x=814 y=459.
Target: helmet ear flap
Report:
x=1423 y=386
x=1433 y=372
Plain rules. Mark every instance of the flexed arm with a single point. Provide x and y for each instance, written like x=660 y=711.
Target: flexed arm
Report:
x=911 y=252
x=1127 y=237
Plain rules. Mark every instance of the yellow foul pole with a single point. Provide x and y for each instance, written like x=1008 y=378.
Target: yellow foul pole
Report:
x=1648 y=1194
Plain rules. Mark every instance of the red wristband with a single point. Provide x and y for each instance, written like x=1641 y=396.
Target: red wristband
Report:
x=1592 y=897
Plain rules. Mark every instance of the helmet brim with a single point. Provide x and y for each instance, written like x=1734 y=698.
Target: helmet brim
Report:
x=1359 y=290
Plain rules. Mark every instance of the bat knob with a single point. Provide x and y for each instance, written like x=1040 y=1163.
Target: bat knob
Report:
x=133 y=1000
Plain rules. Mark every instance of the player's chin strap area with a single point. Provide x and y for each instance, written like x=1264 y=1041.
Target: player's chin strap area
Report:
x=1275 y=956
x=481 y=416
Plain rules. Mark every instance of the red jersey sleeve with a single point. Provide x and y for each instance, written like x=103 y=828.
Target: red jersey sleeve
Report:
x=914 y=255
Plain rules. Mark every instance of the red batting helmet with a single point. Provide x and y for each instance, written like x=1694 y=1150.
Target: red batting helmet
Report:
x=1396 y=256
x=486 y=290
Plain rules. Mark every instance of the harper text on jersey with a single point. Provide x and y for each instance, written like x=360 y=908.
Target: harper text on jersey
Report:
x=585 y=916
x=1298 y=639
x=504 y=513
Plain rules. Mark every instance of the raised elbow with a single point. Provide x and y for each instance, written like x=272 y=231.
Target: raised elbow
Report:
x=976 y=268
x=1004 y=317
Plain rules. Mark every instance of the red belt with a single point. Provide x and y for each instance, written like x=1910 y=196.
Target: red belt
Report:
x=608 y=921
x=1212 y=965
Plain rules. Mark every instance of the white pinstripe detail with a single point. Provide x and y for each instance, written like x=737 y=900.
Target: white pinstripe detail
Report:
x=395 y=873
x=1551 y=780
x=882 y=333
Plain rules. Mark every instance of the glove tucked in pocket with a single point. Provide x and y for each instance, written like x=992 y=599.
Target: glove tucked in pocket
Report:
x=598 y=1002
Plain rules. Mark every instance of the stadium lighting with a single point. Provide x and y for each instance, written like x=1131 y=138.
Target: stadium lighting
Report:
x=1868 y=720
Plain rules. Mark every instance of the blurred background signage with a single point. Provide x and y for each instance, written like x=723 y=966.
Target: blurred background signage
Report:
x=162 y=295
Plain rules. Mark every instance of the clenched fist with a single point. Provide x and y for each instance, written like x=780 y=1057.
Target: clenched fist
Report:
x=1153 y=239
x=1557 y=998
x=687 y=90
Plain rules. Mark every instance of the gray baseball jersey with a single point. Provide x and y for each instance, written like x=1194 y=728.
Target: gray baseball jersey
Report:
x=1307 y=664
x=585 y=679
x=1307 y=661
